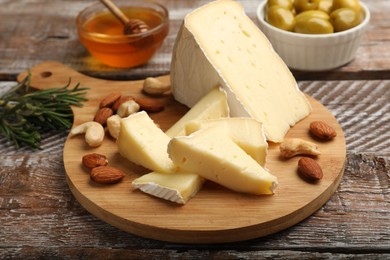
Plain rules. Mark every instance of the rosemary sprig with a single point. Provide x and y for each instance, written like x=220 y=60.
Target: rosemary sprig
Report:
x=26 y=114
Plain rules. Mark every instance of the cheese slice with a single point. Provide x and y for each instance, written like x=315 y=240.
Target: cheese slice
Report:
x=212 y=105
x=175 y=187
x=179 y=187
x=247 y=133
x=213 y=155
x=143 y=143
x=219 y=45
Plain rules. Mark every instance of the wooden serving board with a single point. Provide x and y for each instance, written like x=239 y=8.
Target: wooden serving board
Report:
x=215 y=214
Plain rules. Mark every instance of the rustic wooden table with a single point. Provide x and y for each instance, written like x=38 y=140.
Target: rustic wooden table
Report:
x=39 y=217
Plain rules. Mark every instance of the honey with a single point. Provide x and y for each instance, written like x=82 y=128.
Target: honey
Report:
x=103 y=35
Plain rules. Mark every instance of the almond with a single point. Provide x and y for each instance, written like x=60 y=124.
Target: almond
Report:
x=102 y=115
x=93 y=160
x=150 y=104
x=107 y=175
x=309 y=169
x=120 y=101
x=322 y=130
x=109 y=100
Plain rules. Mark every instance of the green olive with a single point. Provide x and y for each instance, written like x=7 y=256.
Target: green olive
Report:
x=352 y=4
x=362 y=14
x=313 y=25
x=312 y=13
x=345 y=18
x=280 y=18
x=305 y=5
x=287 y=4
x=326 y=6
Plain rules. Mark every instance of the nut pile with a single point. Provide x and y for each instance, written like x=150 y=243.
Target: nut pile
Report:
x=308 y=168
x=115 y=106
x=112 y=109
x=100 y=172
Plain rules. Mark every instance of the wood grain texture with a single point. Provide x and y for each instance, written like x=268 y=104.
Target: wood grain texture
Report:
x=361 y=107
x=40 y=219
x=47 y=29
x=214 y=215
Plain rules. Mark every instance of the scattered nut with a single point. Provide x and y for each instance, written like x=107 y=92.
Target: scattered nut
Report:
x=294 y=146
x=102 y=115
x=322 y=130
x=154 y=86
x=309 y=169
x=120 y=101
x=109 y=100
x=128 y=108
x=106 y=175
x=114 y=125
x=150 y=105
x=93 y=160
x=94 y=133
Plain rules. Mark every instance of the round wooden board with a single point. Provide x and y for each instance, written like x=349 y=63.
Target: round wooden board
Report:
x=215 y=214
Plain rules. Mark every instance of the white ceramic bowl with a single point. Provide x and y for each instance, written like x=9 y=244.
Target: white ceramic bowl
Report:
x=313 y=52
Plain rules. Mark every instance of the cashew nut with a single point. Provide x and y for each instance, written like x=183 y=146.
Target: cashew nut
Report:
x=128 y=108
x=154 y=86
x=114 y=125
x=294 y=146
x=94 y=133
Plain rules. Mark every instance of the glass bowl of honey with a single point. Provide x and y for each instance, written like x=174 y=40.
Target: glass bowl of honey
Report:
x=103 y=35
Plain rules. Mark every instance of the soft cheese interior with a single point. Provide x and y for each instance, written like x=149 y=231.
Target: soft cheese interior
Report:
x=219 y=45
x=246 y=132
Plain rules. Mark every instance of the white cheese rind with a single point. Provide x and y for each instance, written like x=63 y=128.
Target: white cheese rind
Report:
x=211 y=106
x=247 y=133
x=219 y=45
x=213 y=155
x=142 y=142
x=176 y=187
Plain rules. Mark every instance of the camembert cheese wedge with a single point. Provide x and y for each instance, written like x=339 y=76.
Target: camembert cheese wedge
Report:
x=213 y=105
x=247 y=133
x=143 y=143
x=176 y=187
x=219 y=45
x=212 y=154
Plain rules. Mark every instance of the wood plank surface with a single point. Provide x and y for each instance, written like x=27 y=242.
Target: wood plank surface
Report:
x=35 y=31
x=40 y=218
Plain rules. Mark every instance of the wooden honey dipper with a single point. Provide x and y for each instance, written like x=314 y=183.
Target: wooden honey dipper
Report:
x=132 y=26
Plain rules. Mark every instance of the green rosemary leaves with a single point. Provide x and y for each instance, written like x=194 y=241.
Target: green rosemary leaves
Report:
x=26 y=114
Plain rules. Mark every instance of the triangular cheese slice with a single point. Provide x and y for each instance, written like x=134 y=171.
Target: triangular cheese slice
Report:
x=212 y=154
x=143 y=143
x=212 y=105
